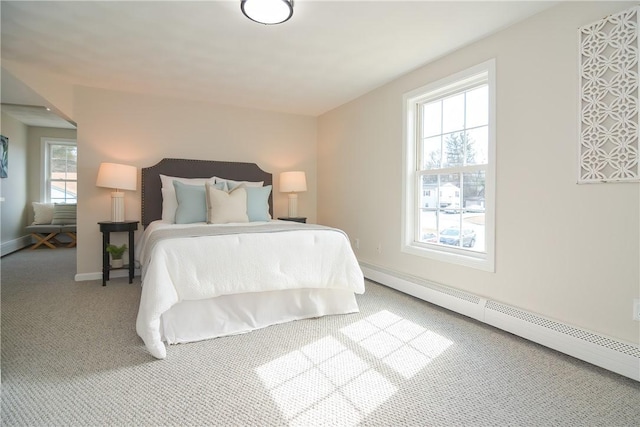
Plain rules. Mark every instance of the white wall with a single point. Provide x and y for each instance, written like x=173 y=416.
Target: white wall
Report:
x=566 y=251
x=13 y=210
x=140 y=130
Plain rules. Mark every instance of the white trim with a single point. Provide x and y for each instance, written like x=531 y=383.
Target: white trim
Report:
x=443 y=254
x=482 y=261
x=15 y=245
x=608 y=353
x=83 y=277
x=116 y=274
x=44 y=162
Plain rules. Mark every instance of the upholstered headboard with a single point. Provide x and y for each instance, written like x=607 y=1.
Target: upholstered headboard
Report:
x=187 y=168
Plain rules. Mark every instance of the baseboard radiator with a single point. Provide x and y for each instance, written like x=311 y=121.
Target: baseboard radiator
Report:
x=608 y=353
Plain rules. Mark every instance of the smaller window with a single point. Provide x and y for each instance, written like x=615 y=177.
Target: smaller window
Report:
x=60 y=183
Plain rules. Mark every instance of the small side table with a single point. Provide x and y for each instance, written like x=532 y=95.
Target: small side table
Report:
x=294 y=219
x=108 y=227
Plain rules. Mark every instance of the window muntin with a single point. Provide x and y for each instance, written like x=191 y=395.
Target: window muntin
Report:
x=449 y=169
x=61 y=171
x=453 y=158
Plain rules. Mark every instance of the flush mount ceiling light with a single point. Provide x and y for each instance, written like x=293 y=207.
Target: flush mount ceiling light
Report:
x=267 y=12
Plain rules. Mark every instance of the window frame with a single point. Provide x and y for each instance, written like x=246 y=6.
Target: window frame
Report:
x=45 y=164
x=412 y=176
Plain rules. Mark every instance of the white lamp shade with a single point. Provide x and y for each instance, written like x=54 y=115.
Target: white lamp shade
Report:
x=120 y=177
x=291 y=182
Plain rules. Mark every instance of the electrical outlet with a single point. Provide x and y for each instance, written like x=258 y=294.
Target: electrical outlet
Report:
x=636 y=309
x=379 y=248
x=356 y=243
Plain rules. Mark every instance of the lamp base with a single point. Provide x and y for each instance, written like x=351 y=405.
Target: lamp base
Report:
x=117 y=206
x=293 y=205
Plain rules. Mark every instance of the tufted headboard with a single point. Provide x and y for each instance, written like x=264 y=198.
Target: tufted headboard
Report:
x=187 y=168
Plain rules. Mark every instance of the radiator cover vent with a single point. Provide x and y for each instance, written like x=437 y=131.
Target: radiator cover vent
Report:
x=617 y=356
x=371 y=270
x=565 y=329
x=454 y=293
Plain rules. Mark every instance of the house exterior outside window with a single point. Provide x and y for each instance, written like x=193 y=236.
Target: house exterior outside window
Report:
x=449 y=169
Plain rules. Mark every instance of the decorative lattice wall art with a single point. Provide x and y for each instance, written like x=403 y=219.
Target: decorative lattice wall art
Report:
x=608 y=67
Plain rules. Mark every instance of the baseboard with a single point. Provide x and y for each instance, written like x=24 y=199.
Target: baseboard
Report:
x=116 y=274
x=620 y=357
x=15 y=245
x=83 y=277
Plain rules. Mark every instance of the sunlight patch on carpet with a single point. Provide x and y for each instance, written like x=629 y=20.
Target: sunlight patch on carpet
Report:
x=325 y=383
x=404 y=346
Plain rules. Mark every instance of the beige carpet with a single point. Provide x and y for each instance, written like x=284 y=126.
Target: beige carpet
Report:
x=70 y=356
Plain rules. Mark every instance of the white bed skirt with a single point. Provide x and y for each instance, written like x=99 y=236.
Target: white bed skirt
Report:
x=190 y=321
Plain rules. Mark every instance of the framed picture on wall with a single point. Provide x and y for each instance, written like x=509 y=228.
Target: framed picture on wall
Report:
x=4 y=156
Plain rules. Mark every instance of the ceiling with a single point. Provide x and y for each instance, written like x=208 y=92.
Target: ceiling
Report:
x=328 y=53
x=38 y=116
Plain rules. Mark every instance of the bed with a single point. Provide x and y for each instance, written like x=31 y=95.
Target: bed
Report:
x=233 y=270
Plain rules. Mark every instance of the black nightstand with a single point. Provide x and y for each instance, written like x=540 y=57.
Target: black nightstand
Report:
x=296 y=219
x=108 y=227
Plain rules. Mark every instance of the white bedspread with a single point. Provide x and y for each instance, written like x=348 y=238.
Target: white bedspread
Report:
x=194 y=268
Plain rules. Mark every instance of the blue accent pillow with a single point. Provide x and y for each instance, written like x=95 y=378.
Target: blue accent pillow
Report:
x=258 y=203
x=192 y=204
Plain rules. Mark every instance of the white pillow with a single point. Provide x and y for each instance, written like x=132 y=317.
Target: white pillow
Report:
x=169 y=205
x=223 y=207
x=169 y=200
x=231 y=184
x=167 y=181
x=42 y=213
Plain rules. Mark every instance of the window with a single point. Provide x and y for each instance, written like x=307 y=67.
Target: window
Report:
x=60 y=166
x=450 y=169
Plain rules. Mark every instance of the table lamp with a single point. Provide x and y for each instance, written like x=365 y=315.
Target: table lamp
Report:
x=292 y=183
x=119 y=177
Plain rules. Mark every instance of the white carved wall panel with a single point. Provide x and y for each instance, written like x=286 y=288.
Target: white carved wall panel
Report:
x=608 y=78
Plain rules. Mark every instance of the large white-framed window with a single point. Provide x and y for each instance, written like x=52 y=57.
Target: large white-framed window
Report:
x=449 y=169
x=59 y=161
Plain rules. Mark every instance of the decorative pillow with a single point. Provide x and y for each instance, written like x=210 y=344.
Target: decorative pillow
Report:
x=223 y=207
x=258 y=203
x=169 y=201
x=231 y=184
x=64 y=214
x=42 y=213
x=169 y=205
x=191 y=203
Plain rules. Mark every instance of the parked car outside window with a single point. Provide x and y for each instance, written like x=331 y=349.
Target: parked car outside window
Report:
x=451 y=236
x=429 y=238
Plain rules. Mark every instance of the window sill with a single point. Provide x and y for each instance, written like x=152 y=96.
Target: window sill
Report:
x=479 y=262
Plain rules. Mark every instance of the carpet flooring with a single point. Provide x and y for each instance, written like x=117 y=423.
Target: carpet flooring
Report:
x=71 y=357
